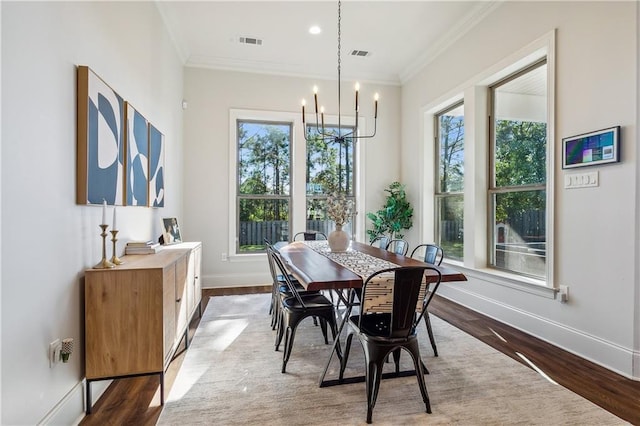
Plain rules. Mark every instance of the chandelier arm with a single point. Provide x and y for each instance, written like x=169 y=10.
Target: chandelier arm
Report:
x=321 y=132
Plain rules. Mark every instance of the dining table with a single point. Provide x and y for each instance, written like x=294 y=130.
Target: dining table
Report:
x=316 y=267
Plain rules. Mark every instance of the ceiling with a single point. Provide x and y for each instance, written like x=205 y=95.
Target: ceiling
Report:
x=400 y=36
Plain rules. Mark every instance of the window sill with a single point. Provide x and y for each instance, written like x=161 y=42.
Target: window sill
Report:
x=258 y=257
x=505 y=279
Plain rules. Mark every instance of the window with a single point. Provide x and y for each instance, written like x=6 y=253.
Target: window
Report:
x=517 y=189
x=449 y=197
x=263 y=184
x=329 y=168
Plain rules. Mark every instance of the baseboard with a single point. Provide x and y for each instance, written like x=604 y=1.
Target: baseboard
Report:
x=595 y=349
x=234 y=280
x=70 y=410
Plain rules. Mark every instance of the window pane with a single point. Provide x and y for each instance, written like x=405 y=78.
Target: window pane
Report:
x=260 y=219
x=329 y=162
x=520 y=232
x=317 y=219
x=451 y=150
x=520 y=129
x=450 y=218
x=264 y=158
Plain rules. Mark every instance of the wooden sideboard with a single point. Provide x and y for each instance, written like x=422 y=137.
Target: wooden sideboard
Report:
x=137 y=313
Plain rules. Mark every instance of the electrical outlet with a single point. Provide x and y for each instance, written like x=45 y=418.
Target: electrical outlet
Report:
x=223 y=257
x=564 y=293
x=54 y=352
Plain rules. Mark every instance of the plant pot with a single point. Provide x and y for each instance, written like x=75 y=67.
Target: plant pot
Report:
x=338 y=240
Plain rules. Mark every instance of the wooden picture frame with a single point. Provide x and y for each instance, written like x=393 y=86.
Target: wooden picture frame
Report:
x=100 y=154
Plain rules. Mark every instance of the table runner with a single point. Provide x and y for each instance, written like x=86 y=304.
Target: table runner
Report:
x=362 y=264
x=380 y=289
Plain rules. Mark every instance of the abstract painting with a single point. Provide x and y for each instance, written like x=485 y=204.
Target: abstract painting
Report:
x=100 y=141
x=137 y=165
x=156 y=167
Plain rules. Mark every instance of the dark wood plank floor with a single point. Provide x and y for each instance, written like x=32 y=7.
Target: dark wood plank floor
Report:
x=136 y=400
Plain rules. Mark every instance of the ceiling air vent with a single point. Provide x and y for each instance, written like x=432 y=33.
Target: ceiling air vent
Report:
x=359 y=53
x=250 y=40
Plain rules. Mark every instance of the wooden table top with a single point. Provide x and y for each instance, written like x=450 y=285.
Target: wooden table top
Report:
x=317 y=272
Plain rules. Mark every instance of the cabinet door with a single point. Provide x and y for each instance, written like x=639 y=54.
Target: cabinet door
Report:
x=197 y=284
x=169 y=308
x=191 y=274
x=123 y=322
x=181 y=294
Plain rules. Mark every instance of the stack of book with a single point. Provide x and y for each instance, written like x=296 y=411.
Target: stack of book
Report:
x=142 y=247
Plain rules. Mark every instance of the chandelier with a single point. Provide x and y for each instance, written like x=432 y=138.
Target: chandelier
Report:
x=349 y=133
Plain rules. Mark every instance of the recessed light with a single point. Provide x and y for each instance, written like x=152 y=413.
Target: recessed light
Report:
x=314 y=29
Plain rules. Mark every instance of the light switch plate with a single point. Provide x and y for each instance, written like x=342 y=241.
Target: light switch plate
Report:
x=581 y=180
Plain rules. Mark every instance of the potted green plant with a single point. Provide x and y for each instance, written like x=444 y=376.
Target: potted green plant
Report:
x=395 y=216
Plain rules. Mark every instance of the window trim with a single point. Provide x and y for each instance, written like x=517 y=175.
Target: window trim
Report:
x=474 y=94
x=493 y=189
x=236 y=115
x=298 y=180
x=439 y=195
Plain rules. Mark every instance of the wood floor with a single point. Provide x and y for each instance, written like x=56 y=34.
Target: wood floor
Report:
x=136 y=401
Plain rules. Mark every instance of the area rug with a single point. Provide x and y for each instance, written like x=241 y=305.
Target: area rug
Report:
x=231 y=375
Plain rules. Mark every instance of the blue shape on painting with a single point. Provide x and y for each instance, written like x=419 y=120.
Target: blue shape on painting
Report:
x=137 y=173
x=139 y=181
x=159 y=187
x=102 y=182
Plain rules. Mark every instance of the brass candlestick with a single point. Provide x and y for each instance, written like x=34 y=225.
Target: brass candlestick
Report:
x=104 y=263
x=115 y=259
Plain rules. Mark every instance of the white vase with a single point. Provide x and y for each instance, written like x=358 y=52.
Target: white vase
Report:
x=338 y=239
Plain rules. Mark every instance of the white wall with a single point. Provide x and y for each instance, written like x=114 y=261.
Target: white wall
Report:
x=595 y=229
x=210 y=95
x=48 y=240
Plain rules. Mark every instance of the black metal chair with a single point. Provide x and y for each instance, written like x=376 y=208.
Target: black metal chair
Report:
x=310 y=236
x=297 y=307
x=398 y=246
x=279 y=287
x=386 y=324
x=433 y=254
x=382 y=242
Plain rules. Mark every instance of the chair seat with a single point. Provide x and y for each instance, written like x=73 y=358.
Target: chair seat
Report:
x=284 y=290
x=312 y=301
x=281 y=279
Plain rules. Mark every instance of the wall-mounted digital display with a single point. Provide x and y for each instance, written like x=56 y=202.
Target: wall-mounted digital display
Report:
x=589 y=149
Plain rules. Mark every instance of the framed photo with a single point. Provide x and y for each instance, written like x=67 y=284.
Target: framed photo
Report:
x=171 y=231
x=589 y=149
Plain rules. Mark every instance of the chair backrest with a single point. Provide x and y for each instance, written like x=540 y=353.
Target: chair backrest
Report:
x=279 y=267
x=394 y=293
x=310 y=236
x=272 y=266
x=398 y=247
x=433 y=253
x=382 y=242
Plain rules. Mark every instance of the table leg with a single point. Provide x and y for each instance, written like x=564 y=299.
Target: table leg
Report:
x=336 y=347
